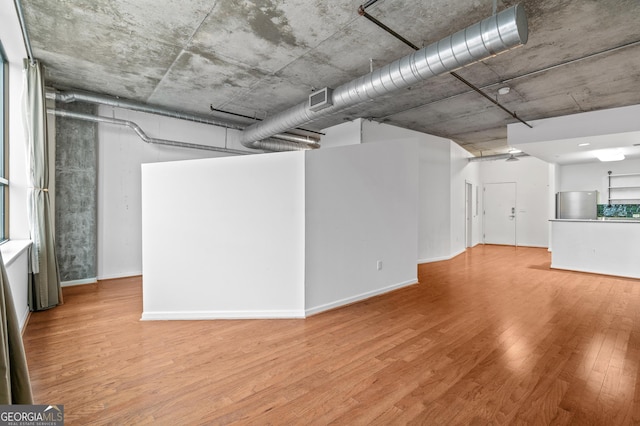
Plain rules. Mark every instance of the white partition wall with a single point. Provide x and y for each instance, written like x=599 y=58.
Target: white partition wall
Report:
x=361 y=222
x=443 y=171
x=278 y=235
x=224 y=237
x=121 y=152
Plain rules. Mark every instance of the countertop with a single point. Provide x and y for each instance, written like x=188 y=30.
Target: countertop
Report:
x=603 y=220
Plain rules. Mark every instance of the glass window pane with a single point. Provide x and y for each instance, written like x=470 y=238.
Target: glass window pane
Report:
x=4 y=103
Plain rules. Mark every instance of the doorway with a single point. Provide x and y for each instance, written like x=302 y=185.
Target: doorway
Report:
x=499 y=205
x=469 y=213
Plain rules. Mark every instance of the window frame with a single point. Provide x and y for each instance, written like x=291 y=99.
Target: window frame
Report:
x=4 y=145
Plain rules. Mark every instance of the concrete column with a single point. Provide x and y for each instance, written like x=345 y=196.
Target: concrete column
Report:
x=76 y=195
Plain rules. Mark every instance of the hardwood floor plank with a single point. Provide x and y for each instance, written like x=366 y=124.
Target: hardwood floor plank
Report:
x=493 y=336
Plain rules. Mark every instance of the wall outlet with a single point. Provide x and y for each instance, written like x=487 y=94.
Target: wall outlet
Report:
x=379 y=265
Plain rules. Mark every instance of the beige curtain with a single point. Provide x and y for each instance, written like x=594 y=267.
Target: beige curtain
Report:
x=44 y=277
x=15 y=387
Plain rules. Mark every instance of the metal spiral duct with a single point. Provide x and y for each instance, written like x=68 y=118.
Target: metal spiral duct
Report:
x=493 y=35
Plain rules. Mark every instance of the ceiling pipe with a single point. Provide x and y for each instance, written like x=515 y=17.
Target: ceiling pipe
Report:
x=25 y=35
x=254 y=118
x=493 y=101
x=310 y=143
x=369 y=3
x=93 y=98
x=492 y=36
x=519 y=77
x=140 y=132
x=279 y=142
x=508 y=156
x=362 y=12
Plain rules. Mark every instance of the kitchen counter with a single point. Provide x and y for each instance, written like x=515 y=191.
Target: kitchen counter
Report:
x=603 y=219
x=587 y=245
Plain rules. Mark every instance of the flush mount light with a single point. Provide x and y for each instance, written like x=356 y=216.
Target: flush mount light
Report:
x=504 y=90
x=514 y=151
x=610 y=156
x=584 y=144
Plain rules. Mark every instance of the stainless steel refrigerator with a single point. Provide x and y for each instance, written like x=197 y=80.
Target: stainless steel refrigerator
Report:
x=577 y=205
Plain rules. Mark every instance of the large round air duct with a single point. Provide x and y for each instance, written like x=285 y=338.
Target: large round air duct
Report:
x=493 y=35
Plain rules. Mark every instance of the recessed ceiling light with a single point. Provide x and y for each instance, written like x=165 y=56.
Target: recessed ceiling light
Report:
x=610 y=156
x=584 y=144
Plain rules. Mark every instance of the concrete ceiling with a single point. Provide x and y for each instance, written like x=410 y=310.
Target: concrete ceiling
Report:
x=259 y=57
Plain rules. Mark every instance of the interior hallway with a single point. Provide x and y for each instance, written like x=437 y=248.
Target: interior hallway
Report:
x=492 y=335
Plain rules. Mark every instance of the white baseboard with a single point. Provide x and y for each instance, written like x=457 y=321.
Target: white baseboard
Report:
x=79 y=282
x=441 y=258
x=120 y=275
x=215 y=315
x=22 y=319
x=358 y=297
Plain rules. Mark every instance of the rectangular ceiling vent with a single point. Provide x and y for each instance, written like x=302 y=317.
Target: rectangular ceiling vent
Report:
x=320 y=99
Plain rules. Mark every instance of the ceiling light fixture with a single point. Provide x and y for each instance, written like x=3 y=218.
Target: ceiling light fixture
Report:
x=514 y=151
x=504 y=90
x=584 y=144
x=606 y=156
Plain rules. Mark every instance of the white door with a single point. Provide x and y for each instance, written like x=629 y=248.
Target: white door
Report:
x=500 y=213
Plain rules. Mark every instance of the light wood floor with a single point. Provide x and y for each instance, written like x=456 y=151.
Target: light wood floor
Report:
x=492 y=336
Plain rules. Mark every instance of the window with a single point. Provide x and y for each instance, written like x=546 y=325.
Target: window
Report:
x=4 y=142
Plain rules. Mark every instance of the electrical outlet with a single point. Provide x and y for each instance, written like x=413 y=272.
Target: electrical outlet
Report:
x=379 y=265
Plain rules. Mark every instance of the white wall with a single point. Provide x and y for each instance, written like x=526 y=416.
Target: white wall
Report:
x=590 y=176
x=463 y=172
x=224 y=237
x=361 y=204
x=120 y=155
x=532 y=196
x=443 y=170
x=348 y=133
x=554 y=184
x=435 y=200
x=278 y=235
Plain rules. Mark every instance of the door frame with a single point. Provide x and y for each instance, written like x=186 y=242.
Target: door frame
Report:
x=468 y=200
x=515 y=219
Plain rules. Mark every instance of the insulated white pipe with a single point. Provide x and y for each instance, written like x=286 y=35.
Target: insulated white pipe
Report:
x=279 y=142
x=140 y=132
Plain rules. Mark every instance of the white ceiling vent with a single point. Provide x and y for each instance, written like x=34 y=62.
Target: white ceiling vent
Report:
x=320 y=99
